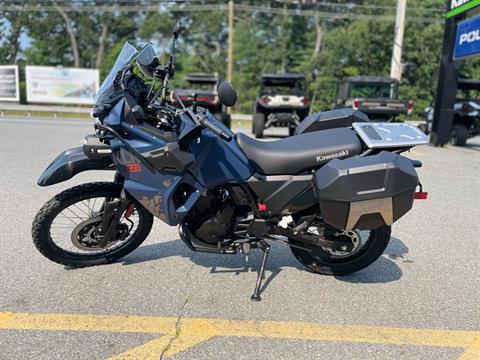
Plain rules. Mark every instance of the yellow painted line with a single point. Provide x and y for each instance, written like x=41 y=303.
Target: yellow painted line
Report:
x=192 y=331
x=472 y=352
x=74 y=322
x=151 y=350
x=346 y=333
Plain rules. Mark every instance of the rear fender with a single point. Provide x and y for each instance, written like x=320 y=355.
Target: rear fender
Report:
x=69 y=163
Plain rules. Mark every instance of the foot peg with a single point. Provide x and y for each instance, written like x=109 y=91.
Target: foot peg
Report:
x=265 y=247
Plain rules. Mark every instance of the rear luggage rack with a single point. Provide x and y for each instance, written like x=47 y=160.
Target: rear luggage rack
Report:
x=390 y=135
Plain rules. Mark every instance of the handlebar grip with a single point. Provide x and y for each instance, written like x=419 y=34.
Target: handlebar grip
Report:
x=216 y=130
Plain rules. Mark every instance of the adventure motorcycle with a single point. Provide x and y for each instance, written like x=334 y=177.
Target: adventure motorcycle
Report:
x=330 y=193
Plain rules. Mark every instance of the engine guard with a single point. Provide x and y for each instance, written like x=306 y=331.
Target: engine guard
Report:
x=70 y=163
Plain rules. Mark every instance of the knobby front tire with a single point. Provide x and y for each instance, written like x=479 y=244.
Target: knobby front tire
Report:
x=41 y=233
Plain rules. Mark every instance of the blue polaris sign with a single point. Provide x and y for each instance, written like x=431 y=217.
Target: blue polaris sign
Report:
x=468 y=39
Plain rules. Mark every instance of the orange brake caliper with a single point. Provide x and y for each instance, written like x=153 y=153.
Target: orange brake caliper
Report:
x=130 y=210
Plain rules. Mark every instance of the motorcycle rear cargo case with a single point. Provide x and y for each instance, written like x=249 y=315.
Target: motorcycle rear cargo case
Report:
x=365 y=192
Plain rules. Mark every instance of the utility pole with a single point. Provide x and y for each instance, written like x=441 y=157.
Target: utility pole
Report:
x=230 y=41
x=397 y=67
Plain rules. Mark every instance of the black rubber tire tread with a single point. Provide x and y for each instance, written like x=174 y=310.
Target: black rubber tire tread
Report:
x=259 y=120
x=291 y=131
x=43 y=220
x=460 y=135
x=375 y=247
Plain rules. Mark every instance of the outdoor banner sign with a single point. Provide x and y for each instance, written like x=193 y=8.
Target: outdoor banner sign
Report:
x=9 y=83
x=457 y=7
x=467 y=42
x=59 y=85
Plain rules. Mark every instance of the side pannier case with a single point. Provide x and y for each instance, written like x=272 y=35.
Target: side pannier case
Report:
x=365 y=192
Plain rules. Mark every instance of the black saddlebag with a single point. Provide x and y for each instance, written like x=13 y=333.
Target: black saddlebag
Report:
x=365 y=192
x=330 y=120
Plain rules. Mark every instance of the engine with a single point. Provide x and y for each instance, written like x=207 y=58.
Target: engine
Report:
x=212 y=220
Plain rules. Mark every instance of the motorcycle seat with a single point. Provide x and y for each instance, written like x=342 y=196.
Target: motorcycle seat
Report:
x=299 y=153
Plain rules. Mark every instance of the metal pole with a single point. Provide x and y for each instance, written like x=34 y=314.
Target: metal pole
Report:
x=446 y=89
x=397 y=67
x=230 y=41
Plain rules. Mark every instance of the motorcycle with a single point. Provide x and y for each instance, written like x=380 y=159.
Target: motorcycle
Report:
x=330 y=193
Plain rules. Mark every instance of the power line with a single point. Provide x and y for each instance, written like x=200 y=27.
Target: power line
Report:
x=360 y=6
x=174 y=6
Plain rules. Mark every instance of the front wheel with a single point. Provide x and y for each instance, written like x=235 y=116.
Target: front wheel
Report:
x=259 y=124
x=66 y=229
x=368 y=247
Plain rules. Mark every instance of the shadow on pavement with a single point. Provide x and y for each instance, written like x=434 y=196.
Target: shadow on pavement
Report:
x=382 y=271
x=385 y=269
x=473 y=147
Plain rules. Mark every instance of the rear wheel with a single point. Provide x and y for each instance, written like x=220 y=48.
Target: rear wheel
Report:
x=368 y=247
x=291 y=131
x=459 y=135
x=65 y=230
x=259 y=124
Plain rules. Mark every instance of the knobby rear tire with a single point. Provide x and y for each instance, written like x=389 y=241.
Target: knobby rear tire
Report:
x=53 y=207
x=374 y=248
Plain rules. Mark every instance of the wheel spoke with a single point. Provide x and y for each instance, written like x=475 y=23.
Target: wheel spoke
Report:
x=85 y=211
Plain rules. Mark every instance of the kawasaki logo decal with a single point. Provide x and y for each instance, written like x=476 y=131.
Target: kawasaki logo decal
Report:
x=339 y=154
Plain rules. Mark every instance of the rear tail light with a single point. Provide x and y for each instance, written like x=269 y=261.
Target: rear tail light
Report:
x=466 y=108
x=356 y=103
x=265 y=99
x=410 y=108
x=306 y=101
x=421 y=195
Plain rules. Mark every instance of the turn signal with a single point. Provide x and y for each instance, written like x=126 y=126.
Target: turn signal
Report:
x=421 y=196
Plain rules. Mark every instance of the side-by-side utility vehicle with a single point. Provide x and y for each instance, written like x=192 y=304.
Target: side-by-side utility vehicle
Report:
x=466 y=113
x=203 y=86
x=377 y=97
x=283 y=102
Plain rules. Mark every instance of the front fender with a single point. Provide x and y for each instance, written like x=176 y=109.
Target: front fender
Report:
x=69 y=163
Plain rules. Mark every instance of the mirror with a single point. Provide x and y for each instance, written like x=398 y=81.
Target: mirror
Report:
x=147 y=60
x=226 y=93
x=177 y=30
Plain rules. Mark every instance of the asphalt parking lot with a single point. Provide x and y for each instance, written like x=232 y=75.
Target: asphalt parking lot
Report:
x=419 y=301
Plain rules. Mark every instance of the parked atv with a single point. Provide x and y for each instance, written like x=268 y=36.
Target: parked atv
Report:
x=283 y=102
x=466 y=118
x=203 y=85
x=377 y=97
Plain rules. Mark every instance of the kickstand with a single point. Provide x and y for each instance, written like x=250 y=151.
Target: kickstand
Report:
x=263 y=245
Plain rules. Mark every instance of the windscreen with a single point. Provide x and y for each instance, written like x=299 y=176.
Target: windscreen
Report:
x=125 y=56
x=201 y=85
x=283 y=87
x=371 y=90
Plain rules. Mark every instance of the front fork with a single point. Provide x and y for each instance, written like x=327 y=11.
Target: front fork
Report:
x=113 y=210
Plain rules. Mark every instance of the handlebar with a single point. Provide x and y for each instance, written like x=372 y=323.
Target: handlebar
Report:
x=206 y=124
